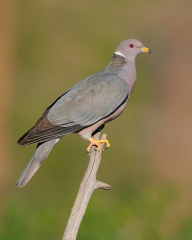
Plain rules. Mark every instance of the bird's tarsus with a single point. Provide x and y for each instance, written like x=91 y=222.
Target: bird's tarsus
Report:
x=97 y=143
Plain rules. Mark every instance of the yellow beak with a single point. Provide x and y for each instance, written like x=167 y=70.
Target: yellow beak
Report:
x=146 y=50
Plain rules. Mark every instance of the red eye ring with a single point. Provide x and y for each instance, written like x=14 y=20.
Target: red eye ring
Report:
x=131 y=45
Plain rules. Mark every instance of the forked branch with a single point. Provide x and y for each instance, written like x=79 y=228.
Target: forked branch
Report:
x=87 y=187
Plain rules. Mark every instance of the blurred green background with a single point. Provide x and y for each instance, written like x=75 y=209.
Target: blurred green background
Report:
x=48 y=46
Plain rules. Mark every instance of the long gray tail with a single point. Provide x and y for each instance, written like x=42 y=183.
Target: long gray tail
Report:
x=40 y=154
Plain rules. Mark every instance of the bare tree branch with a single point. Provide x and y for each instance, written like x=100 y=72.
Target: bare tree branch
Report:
x=87 y=187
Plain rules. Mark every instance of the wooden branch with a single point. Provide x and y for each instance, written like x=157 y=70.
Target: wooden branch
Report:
x=87 y=187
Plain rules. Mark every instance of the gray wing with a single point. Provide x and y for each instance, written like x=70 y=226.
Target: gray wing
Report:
x=89 y=101
x=84 y=104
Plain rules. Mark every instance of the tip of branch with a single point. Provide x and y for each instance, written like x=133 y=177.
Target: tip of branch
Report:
x=102 y=185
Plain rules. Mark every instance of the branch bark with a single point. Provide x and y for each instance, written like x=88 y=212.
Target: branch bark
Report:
x=87 y=187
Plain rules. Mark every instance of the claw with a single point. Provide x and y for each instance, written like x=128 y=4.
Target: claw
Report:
x=97 y=143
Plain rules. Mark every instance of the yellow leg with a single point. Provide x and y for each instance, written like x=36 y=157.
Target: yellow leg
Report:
x=97 y=143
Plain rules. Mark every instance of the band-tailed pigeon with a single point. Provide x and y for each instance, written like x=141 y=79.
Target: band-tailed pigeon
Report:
x=86 y=107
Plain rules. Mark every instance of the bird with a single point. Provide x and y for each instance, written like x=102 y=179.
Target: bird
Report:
x=86 y=107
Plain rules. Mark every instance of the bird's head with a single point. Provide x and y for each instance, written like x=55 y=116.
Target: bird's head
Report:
x=130 y=48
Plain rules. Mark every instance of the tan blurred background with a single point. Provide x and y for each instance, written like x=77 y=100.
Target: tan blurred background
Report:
x=46 y=47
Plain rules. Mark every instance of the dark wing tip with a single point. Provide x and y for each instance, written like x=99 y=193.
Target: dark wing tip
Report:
x=19 y=142
x=22 y=140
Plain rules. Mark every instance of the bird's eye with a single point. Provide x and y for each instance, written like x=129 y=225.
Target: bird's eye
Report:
x=131 y=45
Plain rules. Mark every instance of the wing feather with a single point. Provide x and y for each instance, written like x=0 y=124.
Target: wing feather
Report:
x=83 y=105
x=89 y=101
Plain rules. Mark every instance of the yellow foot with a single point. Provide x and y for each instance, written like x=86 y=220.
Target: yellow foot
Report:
x=97 y=143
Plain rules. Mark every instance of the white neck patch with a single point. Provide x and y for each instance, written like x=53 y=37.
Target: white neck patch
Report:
x=120 y=54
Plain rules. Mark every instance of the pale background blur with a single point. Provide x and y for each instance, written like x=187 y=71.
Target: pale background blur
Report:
x=48 y=46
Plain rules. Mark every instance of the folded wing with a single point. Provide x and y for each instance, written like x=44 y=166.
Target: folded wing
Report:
x=83 y=105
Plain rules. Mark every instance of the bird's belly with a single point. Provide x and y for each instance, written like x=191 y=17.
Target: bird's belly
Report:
x=117 y=112
x=86 y=133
